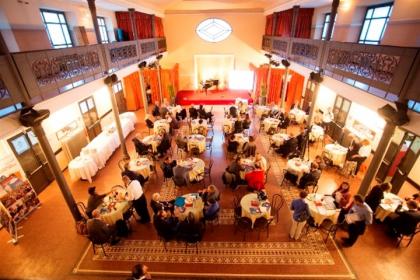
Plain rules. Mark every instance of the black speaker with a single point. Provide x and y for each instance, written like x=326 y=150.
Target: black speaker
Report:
x=391 y=115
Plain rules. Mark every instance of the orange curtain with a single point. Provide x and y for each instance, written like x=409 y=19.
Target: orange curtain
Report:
x=159 y=27
x=165 y=76
x=175 y=77
x=260 y=76
x=294 y=89
x=269 y=25
x=274 y=93
x=151 y=79
x=133 y=91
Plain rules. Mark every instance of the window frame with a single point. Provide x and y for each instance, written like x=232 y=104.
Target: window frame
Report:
x=102 y=27
x=373 y=7
x=325 y=25
x=61 y=24
x=338 y=109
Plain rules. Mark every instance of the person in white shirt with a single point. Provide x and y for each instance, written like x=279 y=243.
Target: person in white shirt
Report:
x=136 y=195
x=262 y=161
x=327 y=118
x=362 y=154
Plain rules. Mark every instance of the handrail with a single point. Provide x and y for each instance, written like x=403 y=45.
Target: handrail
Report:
x=377 y=69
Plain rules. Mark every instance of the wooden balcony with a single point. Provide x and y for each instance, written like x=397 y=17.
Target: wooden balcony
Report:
x=47 y=73
x=385 y=71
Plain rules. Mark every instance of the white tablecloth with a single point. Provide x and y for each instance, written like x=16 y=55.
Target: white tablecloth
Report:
x=129 y=115
x=298 y=115
x=197 y=140
x=82 y=167
x=336 y=153
x=241 y=139
x=228 y=125
x=195 y=165
x=195 y=125
x=279 y=138
x=322 y=208
x=153 y=140
x=174 y=109
x=244 y=106
x=388 y=205
x=270 y=122
x=298 y=167
x=161 y=124
x=141 y=166
x=196 y=208
x=317 y=133
x=261 y=110
x=246 y=206
x=112 y=210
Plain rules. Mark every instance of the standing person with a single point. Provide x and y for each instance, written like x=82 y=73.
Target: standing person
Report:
x=358 y=217
x=362 y=154
x=376 y=194
x=300 y=215
x=156 y=109
x=140 y=272
x=327 y=118
x=136 y=195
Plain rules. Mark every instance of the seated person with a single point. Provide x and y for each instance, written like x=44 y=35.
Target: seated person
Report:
x=133 y=175
x=180 y=175
x=190 y=226
x=193 y=112
x=289 y=146
x=149 y=122
x=182 y=142
x=163 y=111
x=246 y=123
x=141 y=148
x=94 y=200
x=250 y=148
x=229 y=179
x=238 y=126
x=100 y=232
x=166 y=224
x=164 y=145
x=310 y=178
x=376 y=194
x=255 y=179
x=211 y=192
x=167 y=167
x=156 y=109
x=235 y=167
x=342 y=195
x=404 y=222
x=259 y=159
x=233 y=112
x=156 y=204
x=211 y=208
x=284 y=121
x=181 y=115
x=320 y=162
x=232 y=145
x=202 y=112
x=415 y=197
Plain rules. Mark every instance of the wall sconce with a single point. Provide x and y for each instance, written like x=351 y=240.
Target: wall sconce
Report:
x=142 y=64
x=285 y=63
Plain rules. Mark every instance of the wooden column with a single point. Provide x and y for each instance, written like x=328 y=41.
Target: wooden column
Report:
x=132 y=14
x=92 y=9
x=334 y=8
x=294 y=21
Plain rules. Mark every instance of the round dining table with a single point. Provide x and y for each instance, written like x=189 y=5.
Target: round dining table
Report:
x=113 y=208
x=195 y=125
x=152 y=140
x=279 y=138
x=253 y=208
x=82 y=168
x=159 y=125
x=298 y=167
x=262 y=110
x=316 y=133
x=298 y=115
x=196 y=140
x=189 y=203
x=195 y=167
x=241 y=139
x=141 y=166
x=388 y=205
x=336 y=153
x=322 y=207
x=270 y=123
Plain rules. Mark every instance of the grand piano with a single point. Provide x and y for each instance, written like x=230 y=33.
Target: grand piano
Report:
x=208 y=84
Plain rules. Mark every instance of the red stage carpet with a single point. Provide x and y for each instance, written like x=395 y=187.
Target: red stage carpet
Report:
x=221 y=97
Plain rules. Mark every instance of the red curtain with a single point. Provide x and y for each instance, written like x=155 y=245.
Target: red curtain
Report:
x=304 y=23
x=159 y=27
x=294 y=89
x=269 y=25
x=143 y=24
x=284 y=23
x=123 y=22
x=133 y=94
x=273 y=96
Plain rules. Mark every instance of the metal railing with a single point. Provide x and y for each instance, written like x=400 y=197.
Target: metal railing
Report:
x=380 y=70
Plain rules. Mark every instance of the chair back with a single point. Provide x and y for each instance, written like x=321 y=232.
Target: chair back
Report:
x=82 y=209
x=261 y=222
x=277 y=201
x=121 y=164
x=244 y=223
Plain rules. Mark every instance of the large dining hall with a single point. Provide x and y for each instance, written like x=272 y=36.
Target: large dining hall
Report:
x=236 y=139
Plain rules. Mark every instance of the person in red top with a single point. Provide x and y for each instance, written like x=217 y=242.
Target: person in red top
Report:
x=255 y=178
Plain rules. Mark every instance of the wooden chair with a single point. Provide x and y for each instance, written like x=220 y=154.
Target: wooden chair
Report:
x=329 y=228
x=96 y=242
x=82 y=209
x=207 y=170
x=408 y=237
x=277 y=202
x=243 y=224
x=262 y=224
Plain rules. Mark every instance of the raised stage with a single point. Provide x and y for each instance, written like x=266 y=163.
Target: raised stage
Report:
x=213 y=97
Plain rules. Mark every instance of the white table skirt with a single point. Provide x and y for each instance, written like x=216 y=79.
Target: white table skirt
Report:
x=246 y=205
x=82 y=168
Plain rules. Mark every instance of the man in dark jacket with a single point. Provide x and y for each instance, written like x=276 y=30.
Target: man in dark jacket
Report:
x=94 y=201
x=404 y=222
x=99 y=232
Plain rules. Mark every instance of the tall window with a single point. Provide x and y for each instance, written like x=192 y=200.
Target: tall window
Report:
x=327 y=20
x=57 y=29
x=102 y=30
x=376 y=19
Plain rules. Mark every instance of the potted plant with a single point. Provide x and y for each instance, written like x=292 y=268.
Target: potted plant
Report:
x=171 y=91
x=263 y=95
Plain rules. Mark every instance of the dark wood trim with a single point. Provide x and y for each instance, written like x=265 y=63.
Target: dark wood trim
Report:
x=412 y=182
x=106 y=114
x=333 y=14
x=58 y=151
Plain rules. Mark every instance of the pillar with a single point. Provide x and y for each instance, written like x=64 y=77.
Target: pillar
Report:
x=92 y=9
x=32 y=118
x=132 y=15
x=159 y=78
x=334 y=8
x=377 y=158
x=109 y=81
x=284 y=87
x=142 y=87
x=315 y=78
x=294 y=21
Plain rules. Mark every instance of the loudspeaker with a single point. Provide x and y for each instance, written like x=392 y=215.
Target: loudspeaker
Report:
x=391 y=115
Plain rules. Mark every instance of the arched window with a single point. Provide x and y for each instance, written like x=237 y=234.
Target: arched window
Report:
x=213 y=30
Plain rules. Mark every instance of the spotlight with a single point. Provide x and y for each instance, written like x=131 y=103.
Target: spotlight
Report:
x=268 y=55
x=316 y=77
x=159 y=57
x=274 y=63
x=111 y=79
x=285 y=63
x=142 y=64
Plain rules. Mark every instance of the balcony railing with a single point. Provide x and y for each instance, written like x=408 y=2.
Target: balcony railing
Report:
x=48 y=73
x=380 y=70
